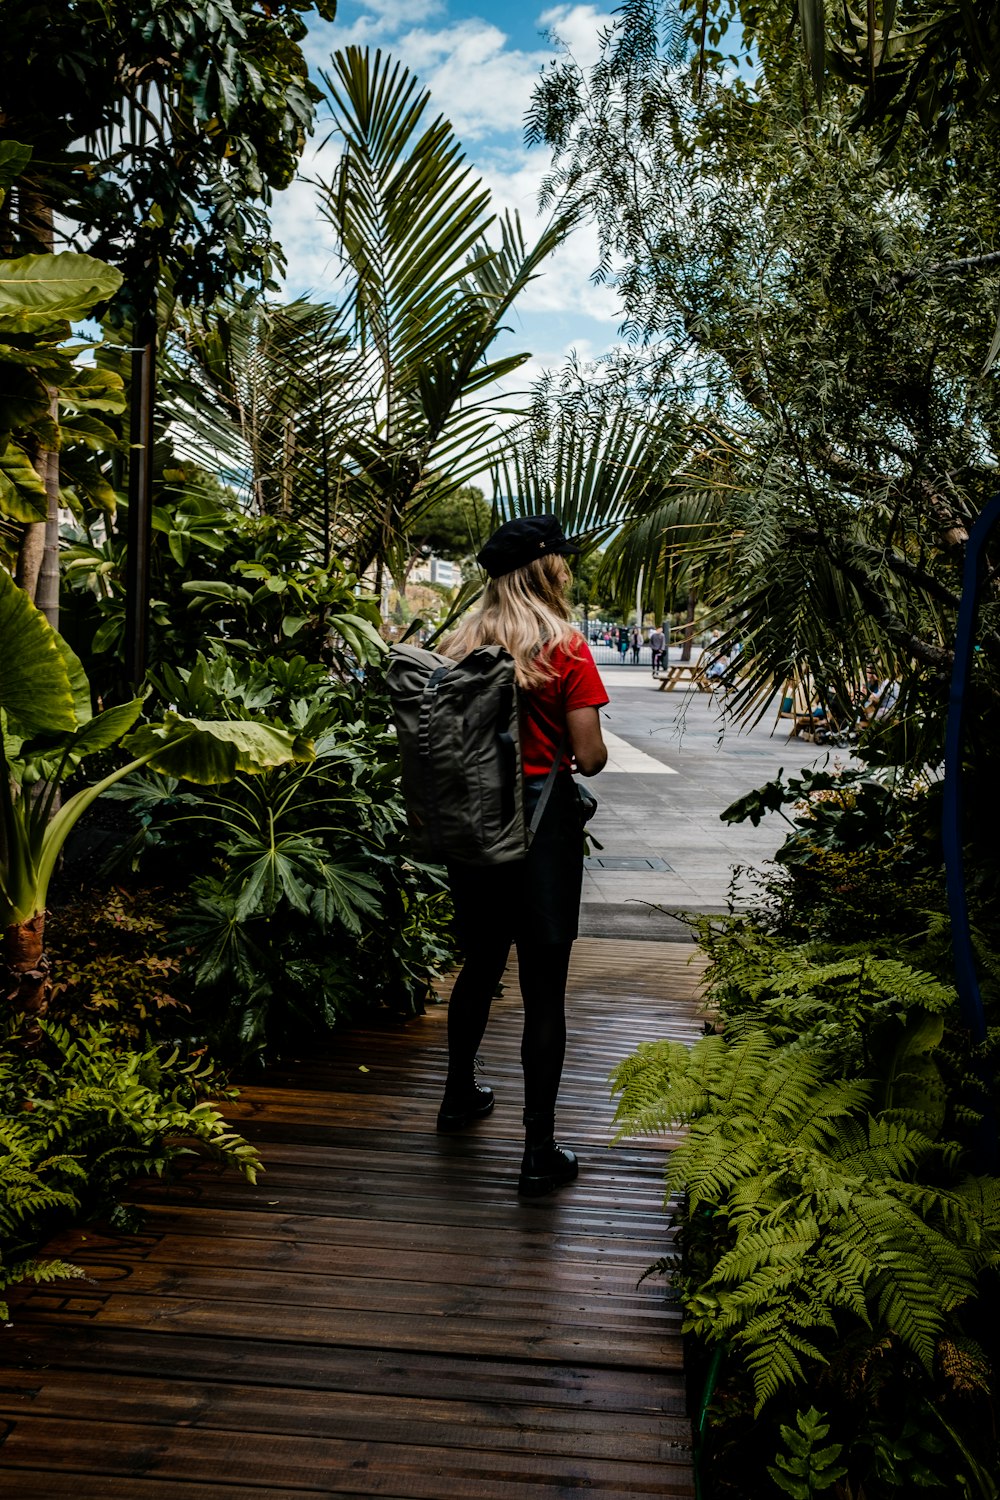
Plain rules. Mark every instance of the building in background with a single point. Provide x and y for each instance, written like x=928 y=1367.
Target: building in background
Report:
x=437 y=570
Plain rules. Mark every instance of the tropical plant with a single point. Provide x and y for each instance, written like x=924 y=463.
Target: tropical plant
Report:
x=80 y=1116
x=593 y=448
x=46 y=730
x=49 y=422
x=817 y=316
x=159 y=132
x=833 y=1239
x=304 y=872
x=807 y=1468
x=356 y=419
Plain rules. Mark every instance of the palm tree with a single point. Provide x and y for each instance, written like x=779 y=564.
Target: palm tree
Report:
x=354 y=418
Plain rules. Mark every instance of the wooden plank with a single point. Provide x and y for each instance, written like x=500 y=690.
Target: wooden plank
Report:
x=462 y=1423
x=101 y=1353
x=216 y=1457
x=381 y=1315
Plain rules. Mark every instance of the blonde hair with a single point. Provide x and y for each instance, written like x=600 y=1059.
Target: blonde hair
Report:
x=525 y=611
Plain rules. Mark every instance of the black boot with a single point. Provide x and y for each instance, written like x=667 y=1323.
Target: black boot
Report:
x=460 y=1106
x=545 y=1166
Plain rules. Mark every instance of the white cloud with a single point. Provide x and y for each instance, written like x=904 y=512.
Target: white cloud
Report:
x=476 y=79
x=307 y=239
x=579 y=28
x=565 y=285
x=483 y=85
x=396 y=13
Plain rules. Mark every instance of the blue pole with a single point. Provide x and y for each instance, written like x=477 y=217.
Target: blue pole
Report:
x=969 y=998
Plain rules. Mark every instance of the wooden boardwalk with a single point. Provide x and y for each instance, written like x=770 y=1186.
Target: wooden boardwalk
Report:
x=381 y=1315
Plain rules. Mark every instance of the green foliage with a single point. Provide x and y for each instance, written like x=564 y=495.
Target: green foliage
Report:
x=937 y=60
x=48 y=400
x=80 y=1116
x=814 y=316
x=160 y=130
x=44 y=693
x=37 y=291
x=304 y=872
x=836 y=1243
x=861 y=851
x=250 y=583
x=807 y=1469
x=111 y=964
x=834 y=1217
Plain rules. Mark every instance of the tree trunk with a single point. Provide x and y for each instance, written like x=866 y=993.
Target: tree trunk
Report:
x=24 y=969
x=46 y=593
x=38 y=555
x=140 y=497
x=29 y=557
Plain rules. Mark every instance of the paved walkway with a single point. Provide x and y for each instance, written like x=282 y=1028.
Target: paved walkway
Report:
x=381 y=1315
x=673 y=765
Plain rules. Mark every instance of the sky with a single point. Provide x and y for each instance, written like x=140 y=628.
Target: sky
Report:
x=480 y=60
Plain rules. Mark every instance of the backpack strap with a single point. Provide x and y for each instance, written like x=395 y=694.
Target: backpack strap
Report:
x=424 y=747
x=554 y=769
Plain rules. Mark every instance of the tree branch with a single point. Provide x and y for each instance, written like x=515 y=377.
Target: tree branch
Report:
x=943 y=268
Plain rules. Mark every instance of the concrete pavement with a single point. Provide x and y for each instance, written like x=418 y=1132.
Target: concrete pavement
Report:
x=674 y=764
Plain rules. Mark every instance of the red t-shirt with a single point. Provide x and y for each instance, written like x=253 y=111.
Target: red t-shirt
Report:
x=576 y=683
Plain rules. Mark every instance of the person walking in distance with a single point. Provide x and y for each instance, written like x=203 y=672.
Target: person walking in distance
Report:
x=657 y=644
x=532 y=903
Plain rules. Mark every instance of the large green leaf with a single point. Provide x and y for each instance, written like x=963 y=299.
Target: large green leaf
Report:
x=95 y=389
x=23 y=396
x=35 y=687
x=78 y=681
x=54 y=760
x=207 y=752
x=13 y=159
x=22 y=493
x=36 y=290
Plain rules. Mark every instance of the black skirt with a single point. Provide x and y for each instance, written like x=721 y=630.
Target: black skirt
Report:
x=534 y=900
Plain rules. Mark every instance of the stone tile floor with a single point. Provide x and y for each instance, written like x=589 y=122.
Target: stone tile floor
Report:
x=645 y=811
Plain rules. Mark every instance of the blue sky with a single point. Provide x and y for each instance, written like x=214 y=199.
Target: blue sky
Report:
x=480 y=62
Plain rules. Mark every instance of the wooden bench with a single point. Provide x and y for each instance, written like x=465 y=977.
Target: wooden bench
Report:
x=797 y=694
x=686 y=673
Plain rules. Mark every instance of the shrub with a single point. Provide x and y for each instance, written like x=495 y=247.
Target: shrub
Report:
x=80 y=1116
x=838 y=1216
x=110 y=962
x=308 y=910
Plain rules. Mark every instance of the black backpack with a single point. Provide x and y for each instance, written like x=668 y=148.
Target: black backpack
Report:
x=459 y=730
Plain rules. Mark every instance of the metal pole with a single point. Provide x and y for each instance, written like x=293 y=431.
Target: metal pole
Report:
x=970 y=1001
x=140 y=500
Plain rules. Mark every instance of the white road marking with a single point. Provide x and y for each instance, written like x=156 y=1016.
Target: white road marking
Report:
x=624 y=757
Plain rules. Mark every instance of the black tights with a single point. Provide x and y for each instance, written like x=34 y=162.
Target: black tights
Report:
x=542 y=971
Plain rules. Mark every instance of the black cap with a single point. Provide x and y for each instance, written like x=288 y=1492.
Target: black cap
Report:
x=521 y=541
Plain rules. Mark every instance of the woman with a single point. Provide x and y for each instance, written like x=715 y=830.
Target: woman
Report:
x=534 y=903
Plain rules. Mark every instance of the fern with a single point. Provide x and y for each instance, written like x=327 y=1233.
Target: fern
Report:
x=82 y=1115
x=829 y=1211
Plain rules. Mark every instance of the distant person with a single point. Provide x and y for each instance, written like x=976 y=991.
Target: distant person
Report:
x=880 y=697
x=622 y=643
x=658 y=644
x=717 y=660
x=635 y=641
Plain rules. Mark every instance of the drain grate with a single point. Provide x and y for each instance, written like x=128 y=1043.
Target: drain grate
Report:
x=625 y=862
